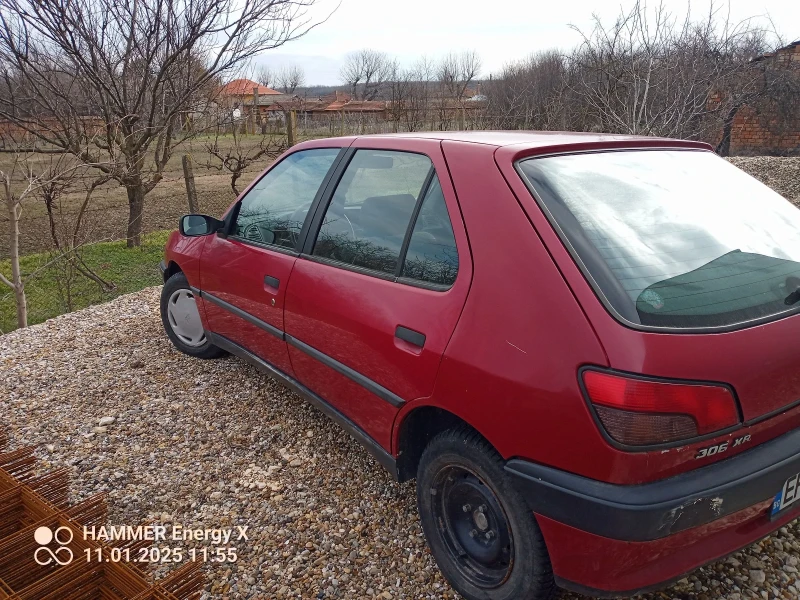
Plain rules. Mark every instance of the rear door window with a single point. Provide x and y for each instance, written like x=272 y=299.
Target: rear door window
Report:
x=274 y=210
x=674 y=238
x=432 y=256
x=370 y=211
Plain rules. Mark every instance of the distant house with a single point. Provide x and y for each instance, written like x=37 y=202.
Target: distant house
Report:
x=242 y=90
x=238 y=97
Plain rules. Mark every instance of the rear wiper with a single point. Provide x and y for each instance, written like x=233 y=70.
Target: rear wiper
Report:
x=792 y=298
x=795 y=295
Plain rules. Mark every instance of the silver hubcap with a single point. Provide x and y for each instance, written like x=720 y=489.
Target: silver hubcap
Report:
x=184 y=318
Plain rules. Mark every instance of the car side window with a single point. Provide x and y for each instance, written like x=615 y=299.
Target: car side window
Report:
x=274 y=210
x=370 y=211
x=432 y=256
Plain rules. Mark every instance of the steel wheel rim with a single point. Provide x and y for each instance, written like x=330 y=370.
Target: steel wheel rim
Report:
x=473 y=527
x=184 y=318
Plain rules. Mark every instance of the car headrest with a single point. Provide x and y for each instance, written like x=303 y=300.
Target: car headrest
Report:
x=386 y=216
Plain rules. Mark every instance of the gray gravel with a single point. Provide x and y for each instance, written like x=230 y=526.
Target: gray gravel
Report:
x=215 y=443
x=780 y=173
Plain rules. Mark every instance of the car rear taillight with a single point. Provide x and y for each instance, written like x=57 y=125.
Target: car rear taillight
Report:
x=640 y=412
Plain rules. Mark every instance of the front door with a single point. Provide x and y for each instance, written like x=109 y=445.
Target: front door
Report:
x=245 y=274
x=376 y=295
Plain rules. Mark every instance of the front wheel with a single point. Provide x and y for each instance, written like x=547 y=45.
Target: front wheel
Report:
x=181 y=319
x=481 y=532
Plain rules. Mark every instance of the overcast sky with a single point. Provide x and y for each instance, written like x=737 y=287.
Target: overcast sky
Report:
x=499 y=30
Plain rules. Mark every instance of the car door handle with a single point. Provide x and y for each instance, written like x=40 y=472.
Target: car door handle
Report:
x=272 y=282
x=409 y=335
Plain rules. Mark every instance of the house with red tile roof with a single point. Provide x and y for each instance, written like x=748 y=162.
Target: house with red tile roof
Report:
x=243 y=88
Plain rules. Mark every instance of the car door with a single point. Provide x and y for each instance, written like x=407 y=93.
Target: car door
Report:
x=245 y=272
x=377 y=293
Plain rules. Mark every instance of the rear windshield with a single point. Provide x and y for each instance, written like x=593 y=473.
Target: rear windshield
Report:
x=674 y=238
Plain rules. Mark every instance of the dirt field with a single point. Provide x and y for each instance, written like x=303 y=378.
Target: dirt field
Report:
x=107 y=216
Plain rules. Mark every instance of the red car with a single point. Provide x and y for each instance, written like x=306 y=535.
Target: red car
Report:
x=582 y=346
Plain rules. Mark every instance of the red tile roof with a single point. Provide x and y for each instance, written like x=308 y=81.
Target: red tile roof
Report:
x=244 y=87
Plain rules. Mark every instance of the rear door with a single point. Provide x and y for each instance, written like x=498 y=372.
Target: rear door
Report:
x=376 y=295
x=244 y=274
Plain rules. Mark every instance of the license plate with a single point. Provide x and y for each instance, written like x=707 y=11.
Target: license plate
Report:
x=787 y=496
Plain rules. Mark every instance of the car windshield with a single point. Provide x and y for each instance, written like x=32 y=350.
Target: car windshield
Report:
x=674 y=238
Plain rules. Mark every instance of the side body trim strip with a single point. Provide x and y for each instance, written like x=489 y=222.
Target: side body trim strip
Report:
x=373 y=447
x=334 y=364
x=271 y=329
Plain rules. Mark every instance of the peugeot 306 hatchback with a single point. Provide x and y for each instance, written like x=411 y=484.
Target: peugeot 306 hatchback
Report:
x=583 y=347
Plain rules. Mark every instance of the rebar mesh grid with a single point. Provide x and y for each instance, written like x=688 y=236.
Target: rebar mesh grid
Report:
x=30 y=501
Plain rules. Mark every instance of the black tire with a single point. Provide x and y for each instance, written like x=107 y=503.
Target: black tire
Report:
x=206 y=349
x=457 y=466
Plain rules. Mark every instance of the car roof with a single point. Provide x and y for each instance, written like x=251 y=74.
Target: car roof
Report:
x=531 y=139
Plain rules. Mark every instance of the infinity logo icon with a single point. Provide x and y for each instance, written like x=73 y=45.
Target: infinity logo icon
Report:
x=62 y=555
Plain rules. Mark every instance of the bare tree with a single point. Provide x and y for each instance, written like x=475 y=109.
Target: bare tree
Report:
x=419 y=94
x=529 y=94
x=650 y=74
x=768 y=83
x=289 y=79
x=62 y=176
x=366 y=72
x=13 y=209
x=235 y=155
x=21 y=182
x=457 y=70
x=454 y=73
x=401 y=83
x=110 y=81
x=265 y=76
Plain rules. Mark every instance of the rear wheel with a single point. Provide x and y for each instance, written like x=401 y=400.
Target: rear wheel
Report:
x=181 y=318
x=481 y=532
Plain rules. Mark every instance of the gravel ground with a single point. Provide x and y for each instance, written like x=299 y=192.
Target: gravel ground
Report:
x=780 y=173
x=216 y=443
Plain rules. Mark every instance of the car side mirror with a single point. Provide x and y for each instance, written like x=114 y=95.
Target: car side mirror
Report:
x=199 y=225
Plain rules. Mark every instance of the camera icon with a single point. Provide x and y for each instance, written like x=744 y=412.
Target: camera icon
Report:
x=62 y=555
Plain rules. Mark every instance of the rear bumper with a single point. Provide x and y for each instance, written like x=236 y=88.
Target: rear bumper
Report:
x=600 y=567
x=716 y=509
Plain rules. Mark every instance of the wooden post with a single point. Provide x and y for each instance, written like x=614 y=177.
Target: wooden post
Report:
x=188 y=175
x=341 y=132
x=291 y=127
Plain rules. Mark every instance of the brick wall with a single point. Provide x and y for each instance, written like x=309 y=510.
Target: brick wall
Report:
x=764 y=128
x=764 y=132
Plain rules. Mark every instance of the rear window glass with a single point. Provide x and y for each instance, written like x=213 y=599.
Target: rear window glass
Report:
x=672 y=238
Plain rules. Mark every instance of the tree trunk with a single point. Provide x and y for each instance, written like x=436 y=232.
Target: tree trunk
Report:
x=191 y=191
x=135 y=210
x=724 y=146
x=13 y=249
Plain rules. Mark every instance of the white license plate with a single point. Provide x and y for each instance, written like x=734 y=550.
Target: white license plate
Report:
x=788 y=495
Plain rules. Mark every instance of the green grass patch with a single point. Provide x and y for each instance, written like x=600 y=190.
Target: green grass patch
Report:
x=52 y=289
